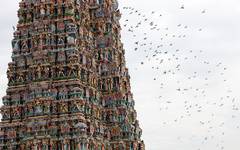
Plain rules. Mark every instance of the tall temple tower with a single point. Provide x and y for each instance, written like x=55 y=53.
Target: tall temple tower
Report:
x=68 y=86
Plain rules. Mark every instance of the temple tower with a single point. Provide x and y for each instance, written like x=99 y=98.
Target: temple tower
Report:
x=69 y=88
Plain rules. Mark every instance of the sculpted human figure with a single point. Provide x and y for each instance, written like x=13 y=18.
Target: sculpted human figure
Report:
x=47 y=108
x=10 y=76
x=42 y=10
x=66 y=145
x=63 y=93
x=6 y=114
x=48 y=40
x=64 y=108
x=24 y=46
x=60 y=71
x=38 y=71
x=45 y=145
x=30 y=110
x=17 y=113
x=69 y=11
x=38 y=108
x=60 y=41
x=81 y=32
x=21 y=77
x=46 y=72
x=52 y=28
x=73 y=70
x=71 y=39
x=54 y=92
x=61 y=56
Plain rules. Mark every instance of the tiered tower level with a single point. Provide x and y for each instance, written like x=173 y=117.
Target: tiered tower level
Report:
x=68 y=83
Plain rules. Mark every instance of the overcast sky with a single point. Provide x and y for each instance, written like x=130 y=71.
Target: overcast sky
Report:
x=195 y=108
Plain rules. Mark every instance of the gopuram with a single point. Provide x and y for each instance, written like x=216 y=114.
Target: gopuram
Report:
x=68 y=85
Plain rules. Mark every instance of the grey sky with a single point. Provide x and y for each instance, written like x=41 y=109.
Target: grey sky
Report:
x=212 y=122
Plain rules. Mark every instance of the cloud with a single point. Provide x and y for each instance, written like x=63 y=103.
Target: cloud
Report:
x=220 y=42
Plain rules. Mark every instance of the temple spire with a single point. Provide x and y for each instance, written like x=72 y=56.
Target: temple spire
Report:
x=68 y=85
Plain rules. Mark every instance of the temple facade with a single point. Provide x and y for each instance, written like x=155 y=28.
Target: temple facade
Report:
x=68 y=85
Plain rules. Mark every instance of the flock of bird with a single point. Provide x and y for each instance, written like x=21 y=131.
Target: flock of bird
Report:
x=189 y=74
